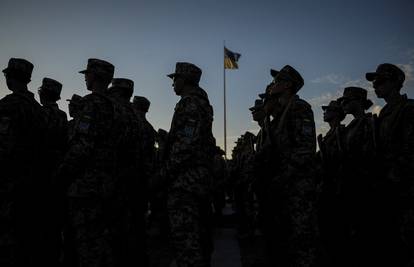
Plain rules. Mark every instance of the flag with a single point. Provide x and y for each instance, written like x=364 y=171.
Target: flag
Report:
x=230 y=59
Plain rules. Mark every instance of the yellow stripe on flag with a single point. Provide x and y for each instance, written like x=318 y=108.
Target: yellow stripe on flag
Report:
x=229 y=64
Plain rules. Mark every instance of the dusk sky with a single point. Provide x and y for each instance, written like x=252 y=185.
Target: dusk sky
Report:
x=331 y=43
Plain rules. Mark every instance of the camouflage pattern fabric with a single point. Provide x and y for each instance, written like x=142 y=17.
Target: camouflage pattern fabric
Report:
x=190 y=147
x=291 y=229
x=147 y=145
x=130 y=174
x=52 y=197
x=89 y=171
x=396 y=187
x=330 y=205
x=21 y=131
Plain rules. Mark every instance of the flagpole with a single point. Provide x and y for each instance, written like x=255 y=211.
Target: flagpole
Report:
x=224 y=100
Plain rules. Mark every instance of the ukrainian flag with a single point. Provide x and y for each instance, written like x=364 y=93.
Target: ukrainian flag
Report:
x=230 y=59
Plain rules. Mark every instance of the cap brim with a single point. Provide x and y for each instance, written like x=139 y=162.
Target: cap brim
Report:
x=252 y=108
x=370 y=76
x=274 y=72
x=172 y=75
x=324 y=107
x=83 y=71
x=339 y=100
x=262 y=96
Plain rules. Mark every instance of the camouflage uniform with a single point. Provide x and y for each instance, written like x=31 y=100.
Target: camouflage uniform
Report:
x=89 y=171
x=395 y=165
x=291 y=228
x=220 y=177
x=356 y=187
x=52 y=197
x=330 y=211
x=159 y=249
x=74 y=109
x=148 y=135
x=21 y=131
x=130 y=173
x=243 y=194
x=188 y=164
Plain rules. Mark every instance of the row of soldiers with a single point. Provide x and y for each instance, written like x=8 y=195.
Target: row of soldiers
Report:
x=351 y=203
x=77 y=193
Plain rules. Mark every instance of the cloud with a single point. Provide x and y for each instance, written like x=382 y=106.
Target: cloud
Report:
x=330 y=78
x=325 y=98
x=376 y=109
x=408 y=70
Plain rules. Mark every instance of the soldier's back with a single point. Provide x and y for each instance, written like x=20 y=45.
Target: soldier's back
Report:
x=21 y=129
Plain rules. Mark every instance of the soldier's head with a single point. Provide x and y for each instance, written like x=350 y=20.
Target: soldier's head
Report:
x=141 y=104
x=286 y=83
x=333 y=112
x=186 y=75
x=98 y=74
x=258 y=111
x=219 y=151
x=249 y=138
x=49 y=91
x=74 y=105
x=354 y=99
x=18 y=73
x=387 y=79
x=121 y=89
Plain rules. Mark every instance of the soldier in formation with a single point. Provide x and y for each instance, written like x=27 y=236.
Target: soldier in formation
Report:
x=92 y=188
x=187 y=169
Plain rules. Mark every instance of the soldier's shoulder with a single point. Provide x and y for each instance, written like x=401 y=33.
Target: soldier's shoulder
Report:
x=302 y=106
x=408 y=108
x=410 y=103
x=10 y=100
x=20 y=101
x=97 y=100
x=62 y=114
x=90 y=98
x=187 y=103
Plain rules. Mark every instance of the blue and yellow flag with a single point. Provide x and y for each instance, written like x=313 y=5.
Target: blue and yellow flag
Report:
x=230 y=59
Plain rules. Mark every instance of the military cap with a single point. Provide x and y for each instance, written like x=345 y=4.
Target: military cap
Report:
x=187 y=70
x=263 y=95
x=288 y=73
x=76 y=99
x=122 y=84
x=332 y=105
x=19 y=65
x=258 y=103
x=353 y=92
x=386 y=70
x=51 y=86
x=219 y=151
x=141 y=102
x=248 y=135
x=99 y=67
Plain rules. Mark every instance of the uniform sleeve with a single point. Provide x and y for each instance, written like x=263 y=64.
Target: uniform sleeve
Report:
x=82 y=141
x=304 y=136
x=186 y=139
x=405 y=160
x=7 y=136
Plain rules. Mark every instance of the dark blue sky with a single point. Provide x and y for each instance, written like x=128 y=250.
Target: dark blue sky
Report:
x=332 y=43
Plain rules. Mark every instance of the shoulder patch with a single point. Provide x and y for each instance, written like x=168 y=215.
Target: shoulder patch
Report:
x=189 y=128
x=84 y=124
